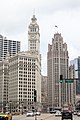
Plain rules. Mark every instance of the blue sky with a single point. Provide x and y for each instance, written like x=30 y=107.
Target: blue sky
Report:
x=15 y=17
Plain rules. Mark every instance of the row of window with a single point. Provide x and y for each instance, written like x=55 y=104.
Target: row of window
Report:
x=25 y=79
x=33 y=30
x=32 y=48
x=27 y=59
x=20 y=82
x=26 y=69
x=29 y=86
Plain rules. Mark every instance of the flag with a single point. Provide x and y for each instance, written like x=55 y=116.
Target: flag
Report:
x=56 y=26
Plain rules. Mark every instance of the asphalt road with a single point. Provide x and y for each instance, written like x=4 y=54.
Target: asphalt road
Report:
x=41 y=117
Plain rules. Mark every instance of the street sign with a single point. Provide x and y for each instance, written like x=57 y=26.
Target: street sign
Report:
x=69 y=81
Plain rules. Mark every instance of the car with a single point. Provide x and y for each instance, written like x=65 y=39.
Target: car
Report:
x=53 y=111
x=67 y=115
x=30 y=114
x=75 y=113
x=37 y=113
x=5 y=116
x=58 y=113
x=78 y=113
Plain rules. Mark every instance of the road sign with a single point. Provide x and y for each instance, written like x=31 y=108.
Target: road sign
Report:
x=69 y=81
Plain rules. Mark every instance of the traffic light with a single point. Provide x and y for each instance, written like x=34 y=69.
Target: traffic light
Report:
x=35 y=95
x=33 y=108
x=61 y=78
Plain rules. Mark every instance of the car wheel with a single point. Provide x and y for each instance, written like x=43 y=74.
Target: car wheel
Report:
x=71 y=118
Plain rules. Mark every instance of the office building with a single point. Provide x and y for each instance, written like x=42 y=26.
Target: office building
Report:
x=76 y=63
x=44 y=97
x=4 y=80
x=8 y=46
x=24 y=77
x=72 y=87
x=25 y=72
x=57 y=64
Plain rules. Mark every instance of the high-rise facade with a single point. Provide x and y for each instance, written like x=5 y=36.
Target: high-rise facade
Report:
x=4 y=80
x=25 y=71
x=10 y=47
x=44 y=98
x=34 y=48
x=72 y=87
x=24 y=77
x=57 y=64
x=21 y=73
x=76 y=63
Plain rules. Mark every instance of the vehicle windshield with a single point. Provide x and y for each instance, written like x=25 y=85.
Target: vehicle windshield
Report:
x=66 y=113
x=3 y=118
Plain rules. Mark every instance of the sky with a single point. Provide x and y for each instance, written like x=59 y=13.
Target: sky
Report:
x=15 y=17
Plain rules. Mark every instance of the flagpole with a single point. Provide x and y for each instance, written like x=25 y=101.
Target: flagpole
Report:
x=56 y=29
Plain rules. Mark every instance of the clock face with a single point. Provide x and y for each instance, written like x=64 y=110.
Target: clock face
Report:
x=33 y=36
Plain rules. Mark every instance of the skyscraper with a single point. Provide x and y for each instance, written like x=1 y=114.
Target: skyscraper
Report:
x=10 y=47
x=25 y=76
x=76 y=63
x=34 y=49
x=57 y=64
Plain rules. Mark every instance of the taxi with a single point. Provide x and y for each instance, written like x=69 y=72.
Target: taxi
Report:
x=5 y=116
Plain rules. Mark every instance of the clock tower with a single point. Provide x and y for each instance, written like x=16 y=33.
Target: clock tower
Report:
x=33 y=36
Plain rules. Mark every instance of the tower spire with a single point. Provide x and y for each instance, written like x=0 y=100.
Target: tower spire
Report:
x=33 y=18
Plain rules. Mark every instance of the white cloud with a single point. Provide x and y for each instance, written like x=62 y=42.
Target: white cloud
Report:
x=15 y=16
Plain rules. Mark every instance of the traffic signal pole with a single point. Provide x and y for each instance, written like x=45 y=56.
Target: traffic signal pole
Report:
x=35 y=100
x=67 y=80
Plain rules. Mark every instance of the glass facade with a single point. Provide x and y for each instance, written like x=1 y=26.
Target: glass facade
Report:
x=76 y=63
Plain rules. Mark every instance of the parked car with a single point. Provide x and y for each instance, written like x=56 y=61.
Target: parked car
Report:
x=78 y=113
x=29 y=114
x=37 y=113
x=75 y=113
x=58 y=113
x=53 y=111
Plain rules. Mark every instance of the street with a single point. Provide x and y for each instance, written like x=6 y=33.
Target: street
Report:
x=42 y=117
